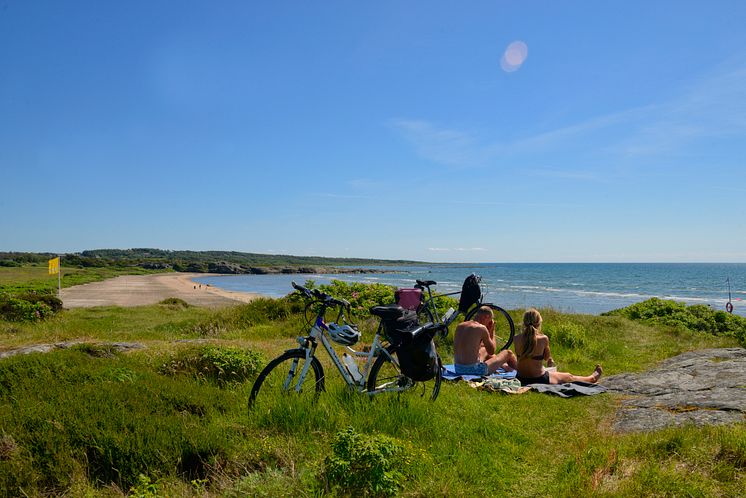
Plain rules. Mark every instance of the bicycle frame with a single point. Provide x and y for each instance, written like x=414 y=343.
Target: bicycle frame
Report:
x=318 y=334
x=430 y=303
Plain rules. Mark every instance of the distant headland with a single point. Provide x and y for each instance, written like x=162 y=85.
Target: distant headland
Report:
x=223 y=262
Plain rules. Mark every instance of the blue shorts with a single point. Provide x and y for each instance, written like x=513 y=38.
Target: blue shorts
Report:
x=479 y=368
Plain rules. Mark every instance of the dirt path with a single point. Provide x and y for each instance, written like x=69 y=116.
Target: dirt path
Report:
x=139 y=290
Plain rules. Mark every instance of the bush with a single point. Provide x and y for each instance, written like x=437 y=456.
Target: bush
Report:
x=174 y=302
x=361 y=296
x=15 y=309
x=218 y=364
x=698 y=318
x=47 y=298
x=374 y=465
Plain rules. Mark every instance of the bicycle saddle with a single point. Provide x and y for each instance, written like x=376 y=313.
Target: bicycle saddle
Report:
x=388 y=312
x=426 y=283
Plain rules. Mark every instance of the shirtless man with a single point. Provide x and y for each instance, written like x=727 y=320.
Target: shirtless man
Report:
x=474 y=347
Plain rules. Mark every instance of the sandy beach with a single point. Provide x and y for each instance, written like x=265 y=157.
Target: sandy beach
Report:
x=140 y=290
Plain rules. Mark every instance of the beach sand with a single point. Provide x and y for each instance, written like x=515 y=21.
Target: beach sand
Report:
x=139 y=290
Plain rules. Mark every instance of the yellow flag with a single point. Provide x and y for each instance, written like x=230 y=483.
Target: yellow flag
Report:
x=54 y=266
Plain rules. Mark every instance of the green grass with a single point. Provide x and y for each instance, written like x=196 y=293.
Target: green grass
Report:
x=82 y=422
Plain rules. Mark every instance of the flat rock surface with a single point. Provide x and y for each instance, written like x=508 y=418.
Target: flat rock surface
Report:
x=46 y=348
x=698 y=387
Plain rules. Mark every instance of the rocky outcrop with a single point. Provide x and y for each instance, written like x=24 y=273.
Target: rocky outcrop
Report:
x=227 y=268
x=699 y=387
x=155 y=266
x=46 y=348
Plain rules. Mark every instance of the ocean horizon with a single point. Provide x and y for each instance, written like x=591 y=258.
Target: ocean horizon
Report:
x=589 y=288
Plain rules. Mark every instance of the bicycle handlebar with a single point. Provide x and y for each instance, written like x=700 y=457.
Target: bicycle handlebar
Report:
x=320 y=296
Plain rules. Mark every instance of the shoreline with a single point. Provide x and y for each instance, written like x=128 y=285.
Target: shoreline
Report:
x=185 y=281
x=142 y=290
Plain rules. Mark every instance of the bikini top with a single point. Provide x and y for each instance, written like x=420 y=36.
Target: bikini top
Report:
x=537 y=357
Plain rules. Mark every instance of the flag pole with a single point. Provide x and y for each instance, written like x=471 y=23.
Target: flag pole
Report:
x=59 y=280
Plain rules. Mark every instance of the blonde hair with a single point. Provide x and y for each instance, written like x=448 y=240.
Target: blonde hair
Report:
x=531 y=327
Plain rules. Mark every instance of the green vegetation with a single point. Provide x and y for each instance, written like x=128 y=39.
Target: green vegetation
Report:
x=218 y=364
x=366 y=464
x=170 y=419
x=14 y=280
x=196 y=261
x=28 y=306
x=698 y=317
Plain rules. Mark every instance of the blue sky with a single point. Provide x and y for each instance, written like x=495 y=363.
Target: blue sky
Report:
x=382 y=129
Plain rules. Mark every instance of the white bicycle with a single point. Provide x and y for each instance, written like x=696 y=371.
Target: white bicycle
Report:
x=298 y=372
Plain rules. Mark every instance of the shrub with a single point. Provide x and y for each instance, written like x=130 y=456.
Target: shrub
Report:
x=361 y=296
x=218 y=364
x=374 y=465
x=174 y=302
x=54 y=303
x=699 y=317
x=15 y=309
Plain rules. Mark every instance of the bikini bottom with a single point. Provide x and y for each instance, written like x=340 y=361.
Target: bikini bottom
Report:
x=542 y=379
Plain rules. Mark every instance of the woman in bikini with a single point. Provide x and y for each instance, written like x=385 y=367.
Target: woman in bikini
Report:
x=532 y=349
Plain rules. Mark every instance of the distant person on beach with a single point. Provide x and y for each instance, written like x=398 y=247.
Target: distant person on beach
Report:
x=474 y=348
x=532 y=348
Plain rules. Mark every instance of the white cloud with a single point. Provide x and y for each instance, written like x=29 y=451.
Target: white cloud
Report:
x=442 y=145
x=713 y=107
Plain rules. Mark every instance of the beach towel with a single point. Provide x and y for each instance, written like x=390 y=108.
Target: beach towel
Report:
x=569 y=389
x=449 y=373
x=498 y=385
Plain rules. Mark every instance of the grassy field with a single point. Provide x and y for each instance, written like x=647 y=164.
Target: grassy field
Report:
x=88 y=421
x=37 y=278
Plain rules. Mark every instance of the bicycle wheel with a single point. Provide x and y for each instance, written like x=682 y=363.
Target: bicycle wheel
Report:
x=424 y=314
x=386 y=376
x=504 y=326
x=282 y=377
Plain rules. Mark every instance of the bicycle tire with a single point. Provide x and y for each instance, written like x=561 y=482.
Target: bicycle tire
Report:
x=281 y=382
x=504 y=326
x=424 y=314
x=385 y=376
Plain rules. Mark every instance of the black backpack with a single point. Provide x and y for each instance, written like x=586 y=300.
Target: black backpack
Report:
x=417 y=356
x=471 y=293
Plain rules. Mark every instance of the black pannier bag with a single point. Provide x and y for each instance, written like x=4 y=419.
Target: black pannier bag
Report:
x=417 y=356
x=471 y=293
x=398 y=324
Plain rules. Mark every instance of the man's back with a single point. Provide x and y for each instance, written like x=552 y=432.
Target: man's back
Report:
x=466 y=342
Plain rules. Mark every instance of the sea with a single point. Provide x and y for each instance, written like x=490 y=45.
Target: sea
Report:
x=589 y=288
